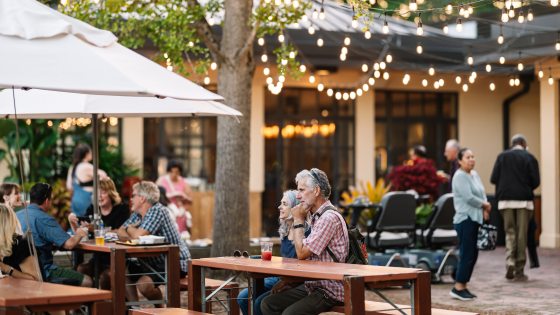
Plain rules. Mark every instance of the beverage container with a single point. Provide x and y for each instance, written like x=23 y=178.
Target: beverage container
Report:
x=266 y=250
x=99 y=237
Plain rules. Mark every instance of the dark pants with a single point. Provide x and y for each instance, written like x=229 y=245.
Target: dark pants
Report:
x=467 y=232
x=297 y=301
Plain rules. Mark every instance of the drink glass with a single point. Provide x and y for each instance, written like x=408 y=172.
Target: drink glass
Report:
x=99 y=237
x=266 y=250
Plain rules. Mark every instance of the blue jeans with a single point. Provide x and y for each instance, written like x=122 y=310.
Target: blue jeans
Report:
x=467 y=232
x=243 y=301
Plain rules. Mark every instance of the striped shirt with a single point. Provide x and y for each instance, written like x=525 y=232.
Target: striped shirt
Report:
x=158 y=222
x=327 y=230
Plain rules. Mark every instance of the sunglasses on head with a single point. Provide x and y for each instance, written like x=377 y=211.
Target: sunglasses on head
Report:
x=238 y=253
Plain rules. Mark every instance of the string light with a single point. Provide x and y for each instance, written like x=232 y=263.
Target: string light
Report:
x=502 y=60
x=284 y=62
x=557 y=46
x=550 y=79
x=554 y=3
x=385 y=25
x=371 y=81
x=516 y=81
x=520 y=64
x=364 y=67
x=445 y=29
x=345 y=96
x=385 y=75
x=419 y=49
x=424 y=82
x=492 y=86
x=311 y=30
x=413 y=5
x=470 y=60
x=377 y=74
x=406 y=79
x=436 y=85
x=367 y=34
x=354 y=23
x=352 y=95
x=459 y=25
x=465 y=87
x=338 y=95
x=213 y=66
x=540 y=73
x=322 y=13
x=382 y=65
x=441 y=82
x=521 y=17
x=511 y=11
x=281 y=38
x=206 y=80
x=365 y=87
x=264 y=58
x=302 y=68
x=330 y=92
x=344 y=50
x=461 y=10
x=347 y=41
x=431 y=71
x=266 y=71
x=419 y=28
x=511 y=82
x=292 y=54
x=282 y=78
x=376 y=66
x=471 y=79
x=449 y=9
x=389 y=58
x=501 y=36
x=260 y=41
x=488 y=68
x=359 y=92
x=530 y=15
x=320 y=42
x=320 y=87
x=342 y=57
x=505 y=17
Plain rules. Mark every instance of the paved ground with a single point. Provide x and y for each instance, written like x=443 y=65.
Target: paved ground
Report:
x=496 y=295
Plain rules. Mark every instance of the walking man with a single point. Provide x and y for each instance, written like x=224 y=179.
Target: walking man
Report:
x=516 y=175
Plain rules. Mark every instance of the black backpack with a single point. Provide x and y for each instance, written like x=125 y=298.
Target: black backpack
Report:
x=357 y=251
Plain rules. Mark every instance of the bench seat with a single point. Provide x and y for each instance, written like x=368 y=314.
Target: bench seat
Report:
x=382 y=308
x=164 y=311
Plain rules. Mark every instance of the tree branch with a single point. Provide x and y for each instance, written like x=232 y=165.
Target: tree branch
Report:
x=250 y=40
x=204 y=31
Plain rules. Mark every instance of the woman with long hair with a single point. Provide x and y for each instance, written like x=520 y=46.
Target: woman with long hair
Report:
x=80 y=179
x=11 y=197
x=15 y=254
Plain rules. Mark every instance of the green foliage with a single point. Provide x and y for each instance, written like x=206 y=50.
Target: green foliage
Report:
x=61 y=199
x=422 y=213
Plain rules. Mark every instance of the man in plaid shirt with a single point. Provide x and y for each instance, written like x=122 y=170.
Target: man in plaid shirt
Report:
x=328 y=230
x=150 y=218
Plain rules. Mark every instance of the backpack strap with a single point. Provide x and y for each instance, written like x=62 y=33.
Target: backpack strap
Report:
x=344 y=225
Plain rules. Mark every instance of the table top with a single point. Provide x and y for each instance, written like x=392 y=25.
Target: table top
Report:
x=308 y=268
x=18 y=292
x=92 y=247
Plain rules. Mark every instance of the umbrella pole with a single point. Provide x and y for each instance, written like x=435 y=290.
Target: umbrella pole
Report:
x=95 y=151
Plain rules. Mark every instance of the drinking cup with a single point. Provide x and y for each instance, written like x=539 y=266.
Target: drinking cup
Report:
x=99 y=237
x=266 y=250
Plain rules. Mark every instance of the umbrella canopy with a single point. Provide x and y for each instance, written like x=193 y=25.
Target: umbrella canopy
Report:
x=44 y=49
x=59 y=105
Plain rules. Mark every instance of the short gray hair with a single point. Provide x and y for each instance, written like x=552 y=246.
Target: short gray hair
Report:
x=453 y=143
x=148 y=190
x=518 y=139
x=316 y=178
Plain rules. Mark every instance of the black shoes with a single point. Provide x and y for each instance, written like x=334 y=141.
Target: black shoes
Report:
x=463 y=295
x=509 y=272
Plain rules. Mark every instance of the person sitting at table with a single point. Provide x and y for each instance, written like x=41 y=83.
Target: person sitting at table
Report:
x=11 y=197
x=47 y=234
x=113 y=214
x=328 y=233
x=287 y=250
x=15 y=254
x=150 y=217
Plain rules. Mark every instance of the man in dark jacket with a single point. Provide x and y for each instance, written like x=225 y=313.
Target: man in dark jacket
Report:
x=516 y=175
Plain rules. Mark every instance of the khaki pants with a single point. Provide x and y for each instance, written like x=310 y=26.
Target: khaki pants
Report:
x=515 y=226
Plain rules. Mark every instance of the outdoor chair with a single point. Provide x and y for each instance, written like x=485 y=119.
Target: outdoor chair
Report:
x=439 y=231
x=394 y=223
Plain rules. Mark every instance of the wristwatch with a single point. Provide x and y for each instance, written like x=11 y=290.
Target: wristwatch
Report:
x=297 y=226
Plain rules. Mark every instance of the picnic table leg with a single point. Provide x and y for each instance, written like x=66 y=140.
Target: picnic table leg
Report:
x=423 y=294
x=118 y=280
x=195 y=289
x=354 y=295
x=173 y=267
x=257 y=288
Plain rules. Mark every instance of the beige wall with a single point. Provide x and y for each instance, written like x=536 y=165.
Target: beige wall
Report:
x=365 y=135
x=133 y=141
x=256 y=171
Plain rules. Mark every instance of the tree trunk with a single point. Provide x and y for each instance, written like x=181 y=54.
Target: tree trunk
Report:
x=231 y=210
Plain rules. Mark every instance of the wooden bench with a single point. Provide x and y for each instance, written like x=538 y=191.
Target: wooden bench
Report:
x=232 y=290
x=382 y=308
x=164 y=311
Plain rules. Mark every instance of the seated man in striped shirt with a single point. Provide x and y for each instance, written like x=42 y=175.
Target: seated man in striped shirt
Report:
x=150 y=217
x=328 y=233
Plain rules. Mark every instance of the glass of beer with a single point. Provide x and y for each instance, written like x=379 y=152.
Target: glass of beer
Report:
x=266 y=250
x=99 y=237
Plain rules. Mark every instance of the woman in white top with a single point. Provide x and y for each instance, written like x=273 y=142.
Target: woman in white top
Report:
x=80 y=179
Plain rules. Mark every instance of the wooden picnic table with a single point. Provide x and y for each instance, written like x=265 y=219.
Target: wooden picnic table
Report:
x=119 y=253
x=18 y=294
x=354 y=277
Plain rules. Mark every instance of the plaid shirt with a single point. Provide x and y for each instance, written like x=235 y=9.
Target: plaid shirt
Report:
x=158 y=222
x=327 y=230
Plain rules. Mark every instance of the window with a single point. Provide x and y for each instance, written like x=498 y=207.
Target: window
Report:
x=404 y=119
x=305 y=129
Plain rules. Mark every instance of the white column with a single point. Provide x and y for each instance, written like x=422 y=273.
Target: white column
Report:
x=550 y=165
x=365 y=135
x=256 y=173
x=133 y=141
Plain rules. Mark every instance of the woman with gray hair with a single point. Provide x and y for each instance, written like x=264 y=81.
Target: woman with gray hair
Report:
x=286 y=250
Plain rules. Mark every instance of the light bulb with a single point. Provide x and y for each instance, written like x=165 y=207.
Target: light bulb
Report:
x=371 y=81
x=345 y=96
x=364 y=68
x=266 y=71
x=502 y=60
x=501 y=39
x=206 y=80
x=330 y=92
x=492 y=86
x=458 y=79
x=322 y=14
x=448 y=9
x=520 y=66
x=281 y=38
x=436 y=85
x=377 y=74
x=269 y=80
x=385 y=75
x=389 y=58
x=530 y=15
x=557 y=46
x=465 y=87
x=473 y=74
x=354 y=23
x=446 y=29
x=441 y=82
x=376 y=66
x=281 y=78
x=471 y=80
x=470 y=60
x=352 y=95
x=284 y=62
x=311 y=78
x=338 y=95
x=342 y=57
x=419 y=29
x=424 y=82
x=320 y=42
x=385 y=28
x=511 y=12
x=470 y=9
x=359 y=92
x=488 y=68
x=413 y=5
x=419 y=49
x=505 y=17
x=459 y=26
x=213 y=66
x=521 y=17
x=260 y=41
x=320 y=87
x=302 y=68
x=315 y=14
x=292 y=54
x=511 y=81
x=431 y=71
x=344 y=50
x=311 y=30
x=382 y=65
x=367 y=34
x=347 y=41
x=517 y=82
x=264 y=58
x=541 y=74
x=461 y=10
x=365 y=87
x=550 y=80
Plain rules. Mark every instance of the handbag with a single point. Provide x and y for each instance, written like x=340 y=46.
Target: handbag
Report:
x=487 y=237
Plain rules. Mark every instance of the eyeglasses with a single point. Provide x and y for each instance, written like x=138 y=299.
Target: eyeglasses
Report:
x=238 y=253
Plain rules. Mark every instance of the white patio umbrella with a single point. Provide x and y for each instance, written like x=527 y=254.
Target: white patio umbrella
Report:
x=44 y=49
